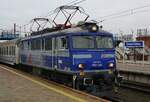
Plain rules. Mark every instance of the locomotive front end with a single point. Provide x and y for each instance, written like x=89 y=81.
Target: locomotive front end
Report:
x=93 y=59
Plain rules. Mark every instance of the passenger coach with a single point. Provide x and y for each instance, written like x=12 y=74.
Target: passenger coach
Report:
x=9 y=52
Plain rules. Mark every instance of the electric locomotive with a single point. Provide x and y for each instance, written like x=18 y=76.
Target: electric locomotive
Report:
x=83 y=57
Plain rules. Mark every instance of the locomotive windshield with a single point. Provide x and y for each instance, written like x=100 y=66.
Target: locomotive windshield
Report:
x=83 y=42
x=89 y=42
x=104 y=42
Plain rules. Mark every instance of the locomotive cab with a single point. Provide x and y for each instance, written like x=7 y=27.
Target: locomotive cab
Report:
x=93 y=59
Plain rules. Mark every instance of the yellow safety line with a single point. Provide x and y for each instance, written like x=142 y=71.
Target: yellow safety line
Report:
x=46 y=86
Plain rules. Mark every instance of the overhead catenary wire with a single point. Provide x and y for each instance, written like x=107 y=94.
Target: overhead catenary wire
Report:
x=123 y=13
x=78 y=2
x=70 y=3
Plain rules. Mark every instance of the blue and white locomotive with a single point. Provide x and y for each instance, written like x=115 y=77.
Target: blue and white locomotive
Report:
x=83 y=56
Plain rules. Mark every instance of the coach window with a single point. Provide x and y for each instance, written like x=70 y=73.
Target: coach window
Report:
x=0 y=51
x=42 y=44
x=62 y=43
x=25 y=45
x=29 y=45
x=13 y=50
x=32 y=45
x=38 y=44
x=9 y=50
x=48 y=44
x=4 y=50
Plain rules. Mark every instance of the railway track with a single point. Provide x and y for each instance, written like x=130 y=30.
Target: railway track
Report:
x=133 y=92
x=136 y=86
x=114 y=99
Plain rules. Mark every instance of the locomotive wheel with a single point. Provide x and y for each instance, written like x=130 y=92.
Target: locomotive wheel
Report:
x=79 y=85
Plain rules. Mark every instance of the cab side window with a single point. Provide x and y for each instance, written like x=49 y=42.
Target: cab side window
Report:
x=62 y=42
x=48 y=44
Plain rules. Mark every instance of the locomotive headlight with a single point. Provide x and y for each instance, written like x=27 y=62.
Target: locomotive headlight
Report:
x=81 y=66
x=110 y=65
x=94 y=28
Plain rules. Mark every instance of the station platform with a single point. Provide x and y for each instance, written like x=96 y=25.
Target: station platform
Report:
x=135 y=72
x=137 y=67
x=17 y=87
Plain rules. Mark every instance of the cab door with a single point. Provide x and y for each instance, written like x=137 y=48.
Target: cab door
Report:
x=54 y=53
x=61 y=51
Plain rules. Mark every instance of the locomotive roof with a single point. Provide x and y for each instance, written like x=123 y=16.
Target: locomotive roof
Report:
x=80 y=30
x=73 y=30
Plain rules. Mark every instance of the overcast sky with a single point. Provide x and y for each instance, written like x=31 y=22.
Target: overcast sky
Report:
x=22 y=11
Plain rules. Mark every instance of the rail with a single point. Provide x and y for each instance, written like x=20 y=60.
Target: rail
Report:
x=136 y=86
